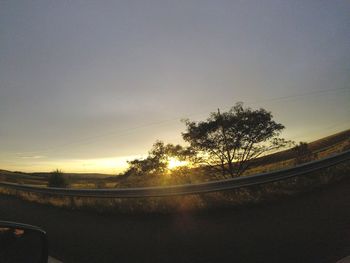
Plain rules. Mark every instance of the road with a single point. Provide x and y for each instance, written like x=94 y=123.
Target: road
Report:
x=313 y=227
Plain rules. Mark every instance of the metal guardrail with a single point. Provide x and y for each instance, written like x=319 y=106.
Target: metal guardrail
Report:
x=188 y=189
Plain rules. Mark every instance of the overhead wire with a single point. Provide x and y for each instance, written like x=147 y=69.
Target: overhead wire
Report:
x=123 y=132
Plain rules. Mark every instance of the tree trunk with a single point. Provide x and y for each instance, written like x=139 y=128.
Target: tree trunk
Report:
x=229 y=162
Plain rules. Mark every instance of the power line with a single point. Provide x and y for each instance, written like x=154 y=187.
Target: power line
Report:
x=301 y=95
x=327 y=128
x=123 y=132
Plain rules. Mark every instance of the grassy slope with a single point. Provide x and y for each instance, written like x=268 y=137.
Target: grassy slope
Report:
x=337 y=140
x=322 y=147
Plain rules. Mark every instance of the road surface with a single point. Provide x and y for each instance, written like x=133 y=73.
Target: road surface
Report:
x=313 y=227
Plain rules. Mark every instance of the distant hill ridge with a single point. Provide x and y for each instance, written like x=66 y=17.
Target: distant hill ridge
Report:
x=46 y=174
x=315 y=146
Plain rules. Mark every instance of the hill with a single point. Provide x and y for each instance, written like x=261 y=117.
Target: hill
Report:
x=336 y=142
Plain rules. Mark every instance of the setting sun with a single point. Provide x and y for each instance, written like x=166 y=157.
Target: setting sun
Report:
x=175 y=163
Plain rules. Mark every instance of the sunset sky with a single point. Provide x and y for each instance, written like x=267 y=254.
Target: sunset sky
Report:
x=86 y=85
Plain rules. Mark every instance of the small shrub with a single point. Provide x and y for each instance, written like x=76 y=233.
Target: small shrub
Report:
x=57 y=179
x=100 y=185
x=303 y=153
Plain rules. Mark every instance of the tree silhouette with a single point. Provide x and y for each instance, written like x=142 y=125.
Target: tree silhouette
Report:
x=157 y=160
x=228 y=141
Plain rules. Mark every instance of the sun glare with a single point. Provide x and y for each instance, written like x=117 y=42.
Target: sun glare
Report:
x=175 y=163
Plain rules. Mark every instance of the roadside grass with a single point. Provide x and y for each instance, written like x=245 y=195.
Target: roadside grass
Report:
x=199 y=202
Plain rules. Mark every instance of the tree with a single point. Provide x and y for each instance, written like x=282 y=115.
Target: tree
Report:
x=228 y=141
x=157 y=160
x=57 y=179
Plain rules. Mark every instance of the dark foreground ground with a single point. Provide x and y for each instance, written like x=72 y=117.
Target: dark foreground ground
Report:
x=313 y=227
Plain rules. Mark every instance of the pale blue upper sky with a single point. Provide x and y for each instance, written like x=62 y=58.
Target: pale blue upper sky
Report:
x=84 y=84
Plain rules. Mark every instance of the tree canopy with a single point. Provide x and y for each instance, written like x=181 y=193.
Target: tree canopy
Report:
x=228 y=141
x=157 y=160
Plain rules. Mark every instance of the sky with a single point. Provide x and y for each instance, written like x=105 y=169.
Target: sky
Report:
x=86 y=85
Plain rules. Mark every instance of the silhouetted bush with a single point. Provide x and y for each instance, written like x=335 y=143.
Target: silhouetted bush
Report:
x=303 y=153
x=57 y=179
